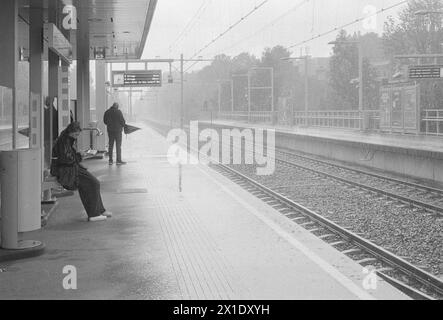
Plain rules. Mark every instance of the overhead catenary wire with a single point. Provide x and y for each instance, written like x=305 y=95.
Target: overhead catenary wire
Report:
x=347 y=25
x=360 y=19
x=242 y=19
x=191 y=24
x=272 y=23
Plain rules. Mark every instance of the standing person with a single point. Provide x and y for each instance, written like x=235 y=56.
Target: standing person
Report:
x=115 y=122
x=49 y=104
x=72 y=175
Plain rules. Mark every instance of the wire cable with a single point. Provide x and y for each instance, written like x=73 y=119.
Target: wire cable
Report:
x=346 y=25
x=191 y=23
x=272 y=23
x=242 y=19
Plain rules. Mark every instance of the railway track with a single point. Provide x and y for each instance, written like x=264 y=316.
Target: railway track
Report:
x=395 y=269
x=415 y=282
x=408 y=193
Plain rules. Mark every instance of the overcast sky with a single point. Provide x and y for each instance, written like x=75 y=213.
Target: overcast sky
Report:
x=186 y=26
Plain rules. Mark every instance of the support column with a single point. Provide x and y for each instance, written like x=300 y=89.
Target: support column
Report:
x=36 y=72
x=9 y=56
x=64 y=111
x=53 y=87
x=100 y=105
x=83 y=78
x=36 y=77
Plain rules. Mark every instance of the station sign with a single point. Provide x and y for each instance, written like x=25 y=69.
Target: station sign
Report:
x=426 y=72
x=99 y=53
x=139 y=78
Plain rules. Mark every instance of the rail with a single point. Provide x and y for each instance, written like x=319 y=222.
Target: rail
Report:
x=330 y=119
x=250 y=117
x=423 y=278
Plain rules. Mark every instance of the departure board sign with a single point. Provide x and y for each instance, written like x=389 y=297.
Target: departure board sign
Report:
x=426 y=72
x=144 y=78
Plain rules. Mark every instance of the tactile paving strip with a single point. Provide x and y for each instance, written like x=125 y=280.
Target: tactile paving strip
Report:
x=198 y=264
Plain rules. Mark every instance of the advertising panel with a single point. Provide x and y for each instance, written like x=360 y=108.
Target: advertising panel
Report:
x=400 y=108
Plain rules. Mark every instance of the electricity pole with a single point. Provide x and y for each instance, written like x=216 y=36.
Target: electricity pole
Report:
x=306 y=59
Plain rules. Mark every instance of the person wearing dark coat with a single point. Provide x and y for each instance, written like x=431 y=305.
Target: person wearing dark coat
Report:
x=115 y=123
x=49 y=104
x=65 y=155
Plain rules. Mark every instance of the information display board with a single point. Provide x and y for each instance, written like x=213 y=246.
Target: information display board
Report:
x=139 y=79
x=400 y=109
x=426 y=72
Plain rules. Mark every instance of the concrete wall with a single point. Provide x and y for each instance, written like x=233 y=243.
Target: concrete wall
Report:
x=405 y=162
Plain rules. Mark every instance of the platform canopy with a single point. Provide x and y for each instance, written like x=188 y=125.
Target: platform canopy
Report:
x=117 y=28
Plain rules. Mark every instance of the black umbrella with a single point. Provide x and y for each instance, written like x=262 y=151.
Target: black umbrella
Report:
x=130 y=129
x=26 y=132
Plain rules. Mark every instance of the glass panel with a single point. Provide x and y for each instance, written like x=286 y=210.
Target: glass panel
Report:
x=136 y=66
x=22 y=113
x=22 y=119
x=118 y=66
x=5 y=118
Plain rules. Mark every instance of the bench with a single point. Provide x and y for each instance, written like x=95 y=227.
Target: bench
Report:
x=49 y=183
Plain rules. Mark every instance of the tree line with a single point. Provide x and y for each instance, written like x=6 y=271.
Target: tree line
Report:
x=408 y=33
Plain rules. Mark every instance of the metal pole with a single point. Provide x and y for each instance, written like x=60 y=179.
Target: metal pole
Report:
x=232 y=96
x=360 y=89
x=181 y=93
x=249 y=96
x=219 y=97
x=180 y=169
x=2 y=104
x=306 y=90
x=130 y=104
x=273 y=118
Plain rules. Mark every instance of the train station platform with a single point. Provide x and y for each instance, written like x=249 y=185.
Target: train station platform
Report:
x=212 y=241
x=410 y=156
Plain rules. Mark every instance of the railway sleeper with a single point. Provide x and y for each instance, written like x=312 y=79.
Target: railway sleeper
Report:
x=308 y=224
x=326 y=236
x=351 y=251
x=367 y=261
x=286 y=211
x=279 y=206
x=337 y=243
x=294 y=215
x=385 y=269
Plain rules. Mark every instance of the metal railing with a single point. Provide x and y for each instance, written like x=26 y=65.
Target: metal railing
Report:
x=432 y=122
x=369 y=120
x=330 y=119
x=250 y=117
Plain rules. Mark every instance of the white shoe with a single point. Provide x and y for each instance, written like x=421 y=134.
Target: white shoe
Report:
x=97 y=219
x=107 y=214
